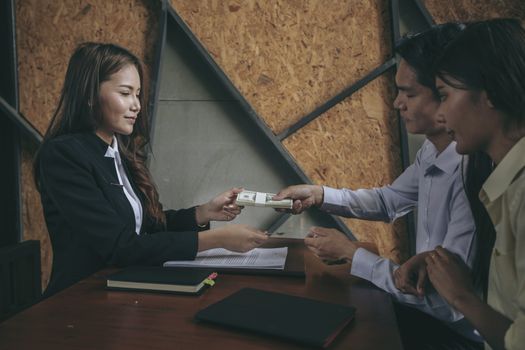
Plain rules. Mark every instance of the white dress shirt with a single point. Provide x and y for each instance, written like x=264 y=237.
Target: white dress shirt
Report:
x=433 y=183
x=134 y=201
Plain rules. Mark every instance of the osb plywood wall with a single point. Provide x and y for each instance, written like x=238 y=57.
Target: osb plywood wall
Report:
x=355 y=145
x=289 y=57
x=473 y=10
x=47 y=33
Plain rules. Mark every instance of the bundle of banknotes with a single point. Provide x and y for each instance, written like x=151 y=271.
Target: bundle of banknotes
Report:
x=262 y=199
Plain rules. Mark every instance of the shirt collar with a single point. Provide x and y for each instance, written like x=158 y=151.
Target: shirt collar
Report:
x=506 y=171
x=447 y=161
x=112 y=151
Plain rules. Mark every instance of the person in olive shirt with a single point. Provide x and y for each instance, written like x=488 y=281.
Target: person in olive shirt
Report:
x=481 y=81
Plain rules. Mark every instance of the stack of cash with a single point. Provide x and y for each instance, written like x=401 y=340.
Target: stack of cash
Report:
x=262 y=199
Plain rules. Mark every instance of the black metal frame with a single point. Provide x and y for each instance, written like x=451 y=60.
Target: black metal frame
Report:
x=394 y=17
x=405 y=159
x=20 y=270
x=21 y=122
x=337 y=98
x=9 y=83
x=10 y=222
x=155 y=75
x=278 y=223
x=403 y=135
x=10 y=205
x=424 y=12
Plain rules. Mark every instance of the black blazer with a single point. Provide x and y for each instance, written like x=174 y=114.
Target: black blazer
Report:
x=91 y=222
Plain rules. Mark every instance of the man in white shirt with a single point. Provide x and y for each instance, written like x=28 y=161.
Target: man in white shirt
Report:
x=433 y=184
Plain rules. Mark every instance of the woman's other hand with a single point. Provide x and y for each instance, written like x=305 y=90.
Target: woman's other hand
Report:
x=237 y=238
x=449 y=275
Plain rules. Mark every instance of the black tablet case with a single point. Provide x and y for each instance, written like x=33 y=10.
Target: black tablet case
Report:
x=295 y=318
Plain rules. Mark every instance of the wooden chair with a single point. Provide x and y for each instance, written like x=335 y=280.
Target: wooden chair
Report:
x=20 y=282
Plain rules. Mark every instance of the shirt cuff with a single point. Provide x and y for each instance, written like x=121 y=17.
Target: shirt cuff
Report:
x=363 y=264
x=199 y=227
x=331 y=198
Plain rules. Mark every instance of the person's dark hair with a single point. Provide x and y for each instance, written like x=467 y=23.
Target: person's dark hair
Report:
x=421 y=50
x=490 y=56
x=79 y=110
x=478 y=169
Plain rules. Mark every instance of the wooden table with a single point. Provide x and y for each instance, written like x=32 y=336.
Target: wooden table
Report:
x=86 y=316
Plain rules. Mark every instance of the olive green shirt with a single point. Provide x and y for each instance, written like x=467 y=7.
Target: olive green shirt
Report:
x=504 y=197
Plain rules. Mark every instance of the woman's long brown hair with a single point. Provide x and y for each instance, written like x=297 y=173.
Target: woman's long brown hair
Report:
x=79 y=110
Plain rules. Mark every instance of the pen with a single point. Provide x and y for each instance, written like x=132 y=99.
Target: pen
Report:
x=269 y=234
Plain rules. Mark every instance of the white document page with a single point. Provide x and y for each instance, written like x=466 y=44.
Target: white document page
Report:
x=258 y=258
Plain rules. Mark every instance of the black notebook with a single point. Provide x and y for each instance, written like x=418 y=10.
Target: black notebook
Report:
x=295 y=318
x=161 y=279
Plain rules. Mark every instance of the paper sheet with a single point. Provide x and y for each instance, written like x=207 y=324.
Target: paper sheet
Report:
x=258 y=258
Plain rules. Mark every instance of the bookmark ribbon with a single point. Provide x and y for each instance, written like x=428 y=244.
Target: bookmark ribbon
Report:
x=211 y=279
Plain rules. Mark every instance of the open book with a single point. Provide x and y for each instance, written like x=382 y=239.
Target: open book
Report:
x=258 y=258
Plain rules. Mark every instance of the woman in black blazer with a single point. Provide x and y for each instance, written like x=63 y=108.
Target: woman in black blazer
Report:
x=100 y=204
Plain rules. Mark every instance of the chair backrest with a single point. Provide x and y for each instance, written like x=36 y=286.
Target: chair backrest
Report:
x=20 y=282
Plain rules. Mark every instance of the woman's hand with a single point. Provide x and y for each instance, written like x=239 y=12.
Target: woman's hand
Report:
x=330 y=244
x=303 y=196
x=411 y=276
x=237 y=238
x=220 y=208
x=451 y=278
x=449 y=275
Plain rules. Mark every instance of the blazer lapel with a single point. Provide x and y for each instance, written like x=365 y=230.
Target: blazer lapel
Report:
x=96 y=149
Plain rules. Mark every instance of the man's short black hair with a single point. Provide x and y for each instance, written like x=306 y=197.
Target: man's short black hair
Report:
x=421 y=50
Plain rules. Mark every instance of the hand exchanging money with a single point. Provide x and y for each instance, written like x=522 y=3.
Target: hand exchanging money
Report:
x=303 y=196
x=262 y=199
x=220 y=208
